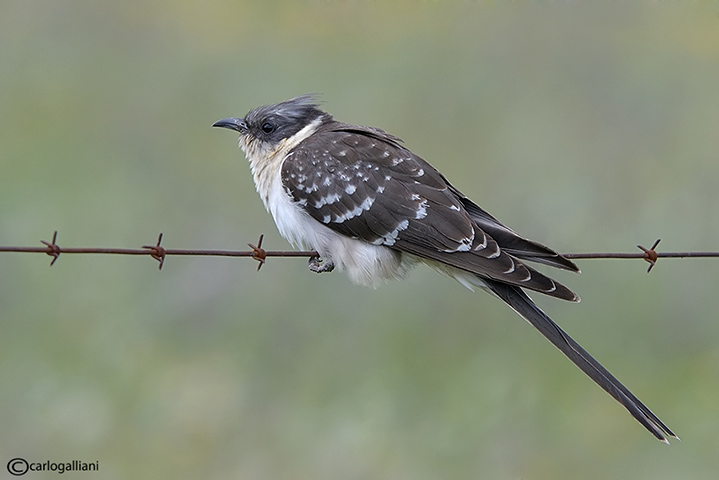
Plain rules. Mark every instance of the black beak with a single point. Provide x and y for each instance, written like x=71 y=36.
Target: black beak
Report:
x=237 y=124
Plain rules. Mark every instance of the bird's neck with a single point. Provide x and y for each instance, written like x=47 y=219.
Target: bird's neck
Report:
x=266 y=163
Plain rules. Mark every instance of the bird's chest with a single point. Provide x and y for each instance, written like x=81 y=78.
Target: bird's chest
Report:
x=293 y=222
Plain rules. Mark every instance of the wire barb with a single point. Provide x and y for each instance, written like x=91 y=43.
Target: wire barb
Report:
x=650 y=255
x=157 y=252
x=53 y=249
x=259 y=253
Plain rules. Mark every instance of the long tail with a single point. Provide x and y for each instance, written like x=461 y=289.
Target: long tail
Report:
x=523 y=305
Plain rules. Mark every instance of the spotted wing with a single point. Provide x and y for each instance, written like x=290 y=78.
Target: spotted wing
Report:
x=363 y=183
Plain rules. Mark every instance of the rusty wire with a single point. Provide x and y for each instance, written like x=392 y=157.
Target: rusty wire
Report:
x=159 y=253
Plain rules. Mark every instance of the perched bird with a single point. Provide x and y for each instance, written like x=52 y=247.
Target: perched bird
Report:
x=371 y=207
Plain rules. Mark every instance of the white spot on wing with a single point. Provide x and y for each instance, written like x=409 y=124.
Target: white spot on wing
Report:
x=465 y=245
x=483 y=245
x=495 y=254
x=391 y=237
x=422 y=210
x=327 y=200
x=511 y=268
x=349 y=214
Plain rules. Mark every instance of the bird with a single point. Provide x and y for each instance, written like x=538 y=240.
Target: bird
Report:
x=371 y=207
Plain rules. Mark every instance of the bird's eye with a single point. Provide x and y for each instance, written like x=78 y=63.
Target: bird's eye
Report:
x=268 y=127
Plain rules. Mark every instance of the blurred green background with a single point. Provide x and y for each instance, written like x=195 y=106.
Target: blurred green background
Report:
x=588 y=128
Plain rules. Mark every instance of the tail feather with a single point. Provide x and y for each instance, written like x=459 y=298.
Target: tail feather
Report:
x=523 y=305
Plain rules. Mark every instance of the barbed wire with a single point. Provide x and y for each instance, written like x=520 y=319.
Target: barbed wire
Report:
x=159 y=253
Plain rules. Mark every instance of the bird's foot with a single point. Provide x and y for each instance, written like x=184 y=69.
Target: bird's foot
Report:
x=318 y=265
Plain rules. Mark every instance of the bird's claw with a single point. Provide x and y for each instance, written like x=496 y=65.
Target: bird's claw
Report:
x=318 y=265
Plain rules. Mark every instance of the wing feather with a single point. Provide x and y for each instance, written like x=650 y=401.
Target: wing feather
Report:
x=363 y=183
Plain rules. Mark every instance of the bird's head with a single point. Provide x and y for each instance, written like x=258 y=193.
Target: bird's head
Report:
x=265 y=130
